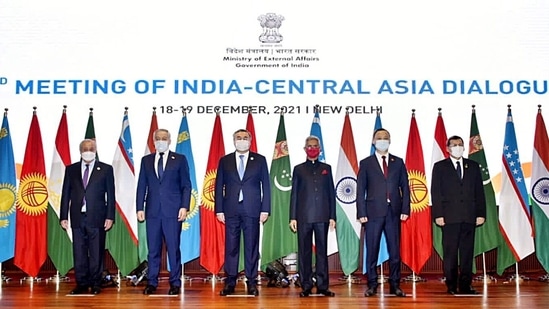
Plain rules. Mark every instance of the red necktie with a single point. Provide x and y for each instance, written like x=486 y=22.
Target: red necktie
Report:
x=385 y=167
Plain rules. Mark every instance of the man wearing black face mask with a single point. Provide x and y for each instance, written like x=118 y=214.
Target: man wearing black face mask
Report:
x=242 y=203
x=459 y=206
x=313 y=209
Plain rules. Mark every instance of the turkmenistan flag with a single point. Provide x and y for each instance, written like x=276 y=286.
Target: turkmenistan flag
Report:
x=122 y=238
x=90 y=130
x=487 y=236
x=540 y=192
x=59 y=239
x=278 y=239
x=32 y=204
x=7 y=192
x=348 y=228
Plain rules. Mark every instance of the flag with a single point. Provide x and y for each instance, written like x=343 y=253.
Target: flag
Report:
x=212 y=236
x=439 y=153
x=383 y=251
x=514 y=213
x=7 y=192
x=90 y=130
x=32 y=205
x=142 y=226
x=59 y=239
x=316 y=131
x=348 y=228
x=416 y=238
x=487 y=236
x=278 y=239
x=122 y=238
x=190 y=234
x=253 y=148
x=540 y=190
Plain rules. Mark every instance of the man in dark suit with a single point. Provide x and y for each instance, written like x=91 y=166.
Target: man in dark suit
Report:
x=163 y=199
x=313 y=209
x=383 y=200
x=459 y=206
x=88 y=195
x=242 y=202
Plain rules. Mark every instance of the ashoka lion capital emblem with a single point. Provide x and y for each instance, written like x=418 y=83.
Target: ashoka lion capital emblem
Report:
x=270 y=23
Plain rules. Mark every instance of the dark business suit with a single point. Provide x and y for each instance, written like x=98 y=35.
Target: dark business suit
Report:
x=161 y=200
x=459 y=202
x=382 y=201
x=88 y=229
x=242 y=216
x=312 y=205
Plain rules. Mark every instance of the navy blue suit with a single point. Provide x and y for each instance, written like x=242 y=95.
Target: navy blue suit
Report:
x=88 y=229
x=382 y=201
x=242 y=217
x=313 y=205
x=161 y=199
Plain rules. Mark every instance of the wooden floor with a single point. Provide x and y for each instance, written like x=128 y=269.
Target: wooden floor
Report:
x=201 y=293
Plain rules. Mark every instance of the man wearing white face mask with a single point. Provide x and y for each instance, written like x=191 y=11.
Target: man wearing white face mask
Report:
x=383 y=201
x=242 y=202
x=457 y=194
x=88 y=195
x=163 y=198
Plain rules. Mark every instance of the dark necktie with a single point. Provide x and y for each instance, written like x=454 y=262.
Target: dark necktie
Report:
x=386 y=173
x=241 y=174
x=458 y=169
x=385 y=167
x=161 y=165
x=85 y=183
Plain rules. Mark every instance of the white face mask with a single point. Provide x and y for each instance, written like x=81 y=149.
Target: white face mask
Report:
x=456 y=151
x=242 y=145
x=382 y=145
x=88 y=156
x=161 y=146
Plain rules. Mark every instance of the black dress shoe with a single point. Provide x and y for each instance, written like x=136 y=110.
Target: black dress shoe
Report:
x=228 y=290
x=253 y=291
x=96 y=290
x=326 y=293
x=149 y=289
x=452 y=291
x=397 y=292
x=370 y=292
x=468 y=291
x=305 y=293
x=174 y=290
x=79 y=290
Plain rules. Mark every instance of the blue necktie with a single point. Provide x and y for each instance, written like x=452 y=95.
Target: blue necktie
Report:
x=241 y=174
x=161 y=166
x=458 y=169
x=85 y=183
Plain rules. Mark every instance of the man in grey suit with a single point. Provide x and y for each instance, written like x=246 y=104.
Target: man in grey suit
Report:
x=383 y=200
x=163 y=199
x=88 y=196
x=242 y=202
x=313 y=209
x=459 y=205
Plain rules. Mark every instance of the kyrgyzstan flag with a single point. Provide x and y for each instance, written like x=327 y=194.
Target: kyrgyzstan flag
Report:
x=212 y=240
x=416 y=238
x=32 y=206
